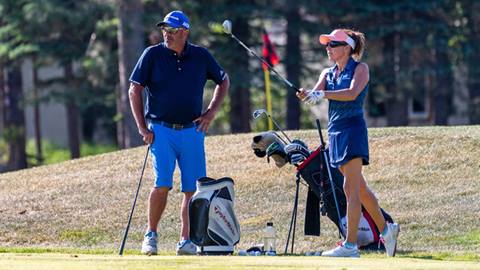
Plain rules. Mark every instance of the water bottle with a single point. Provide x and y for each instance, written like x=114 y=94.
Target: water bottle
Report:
x=269 y=239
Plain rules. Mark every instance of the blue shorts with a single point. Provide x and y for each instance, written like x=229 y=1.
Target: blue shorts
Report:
x=348 y=139
x=185 y=146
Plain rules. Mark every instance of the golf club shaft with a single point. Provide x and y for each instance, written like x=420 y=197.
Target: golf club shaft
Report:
x=322 y=142
x=124 y=240
x=327 y=164
x=279 y=128
x=332 y=186
x=266 y=63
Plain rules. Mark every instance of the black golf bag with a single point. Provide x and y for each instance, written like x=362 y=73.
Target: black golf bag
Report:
x=213 y=225
x=314 y=171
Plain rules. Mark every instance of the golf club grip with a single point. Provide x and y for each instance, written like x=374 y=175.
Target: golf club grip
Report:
x=319 y=128
x=124 y=240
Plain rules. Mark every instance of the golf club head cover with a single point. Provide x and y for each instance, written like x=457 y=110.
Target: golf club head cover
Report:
x=297 y=152
x=276 y=152
x=262 y=141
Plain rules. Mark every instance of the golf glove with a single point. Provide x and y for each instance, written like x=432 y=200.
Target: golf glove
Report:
x=314 y=96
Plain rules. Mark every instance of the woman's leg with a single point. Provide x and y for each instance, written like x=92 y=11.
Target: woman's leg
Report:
x=352 y=172
x=370 y=202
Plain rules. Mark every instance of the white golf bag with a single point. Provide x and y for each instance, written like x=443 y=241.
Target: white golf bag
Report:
x=214 y=228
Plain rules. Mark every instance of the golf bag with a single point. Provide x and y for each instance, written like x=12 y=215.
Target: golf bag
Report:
x=213 y=225
x=314 y=171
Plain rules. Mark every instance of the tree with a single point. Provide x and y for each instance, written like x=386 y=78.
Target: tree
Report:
x=14 y=46
x=130 y=37
x=472 y=56
x=240 y=111
x=15 y=118
x=62 y=30
x=293 y=60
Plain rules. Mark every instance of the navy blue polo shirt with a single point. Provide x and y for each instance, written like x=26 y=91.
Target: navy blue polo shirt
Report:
x=174 y=83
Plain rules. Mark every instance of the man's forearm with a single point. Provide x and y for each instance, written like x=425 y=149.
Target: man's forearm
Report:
x=136 y=105
x=219 y=94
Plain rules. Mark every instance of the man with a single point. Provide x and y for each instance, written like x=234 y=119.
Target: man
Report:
x=173 y=74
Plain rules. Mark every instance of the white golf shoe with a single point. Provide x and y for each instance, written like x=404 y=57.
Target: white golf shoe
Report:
x=149 y=245
x=186 y=247
x=390 y=238
x=342 y=251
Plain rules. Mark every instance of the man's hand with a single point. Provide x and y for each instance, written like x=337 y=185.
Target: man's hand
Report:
x=147 y=135
x=204 y=120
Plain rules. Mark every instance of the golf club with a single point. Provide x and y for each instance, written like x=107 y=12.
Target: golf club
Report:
x=327 y=164
x=227 y=28
x=124 y=240
x=257 y=113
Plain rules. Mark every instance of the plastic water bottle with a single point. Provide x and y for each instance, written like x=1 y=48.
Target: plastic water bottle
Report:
x=269 y=239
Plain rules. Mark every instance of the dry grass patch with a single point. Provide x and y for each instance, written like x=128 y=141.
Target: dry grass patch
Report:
x=428 y=179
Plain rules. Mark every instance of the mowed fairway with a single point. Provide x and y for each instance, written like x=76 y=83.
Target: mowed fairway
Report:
x=90 y=262
x=72 y=215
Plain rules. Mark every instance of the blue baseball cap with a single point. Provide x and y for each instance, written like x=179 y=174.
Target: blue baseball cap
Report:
x=175 y=19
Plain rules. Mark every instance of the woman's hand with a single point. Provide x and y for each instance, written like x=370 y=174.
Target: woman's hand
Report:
x=311 y=96
x=302 y=94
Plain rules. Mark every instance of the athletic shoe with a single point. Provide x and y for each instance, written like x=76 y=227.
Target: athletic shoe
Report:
x=390 y=238
x=342 y=251
x=149 y=245
x=186 y=247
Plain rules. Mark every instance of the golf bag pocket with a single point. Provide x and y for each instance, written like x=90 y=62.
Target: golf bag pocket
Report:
x=214 y=227
x=314 y=171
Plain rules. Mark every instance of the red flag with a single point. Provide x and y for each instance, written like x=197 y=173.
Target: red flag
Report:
x=268 y=51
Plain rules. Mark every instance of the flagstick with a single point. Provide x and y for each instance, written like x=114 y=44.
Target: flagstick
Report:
x=268 y=97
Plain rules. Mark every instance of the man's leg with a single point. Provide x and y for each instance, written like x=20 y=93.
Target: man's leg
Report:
x=163 y=161
x=184 y=216
x=192 y=166
x=156 y=205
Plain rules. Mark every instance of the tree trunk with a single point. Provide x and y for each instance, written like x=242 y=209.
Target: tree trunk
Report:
x=15 y=119
x=73 y=114
x=293 y=60
x=2 y=99
x=130 y=46
x=396 y=102
x=442 y=94
x=36 y=115
x=473 y=58
x=240 y=112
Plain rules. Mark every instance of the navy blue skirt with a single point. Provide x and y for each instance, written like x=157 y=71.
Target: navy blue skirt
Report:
x=348 y=139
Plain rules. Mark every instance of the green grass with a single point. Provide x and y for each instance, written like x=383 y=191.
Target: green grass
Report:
x=52 y=153
x=80 y=261
x=427 y=178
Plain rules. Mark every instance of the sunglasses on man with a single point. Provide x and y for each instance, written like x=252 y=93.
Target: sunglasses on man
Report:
x=333 y=44
x=170 y=30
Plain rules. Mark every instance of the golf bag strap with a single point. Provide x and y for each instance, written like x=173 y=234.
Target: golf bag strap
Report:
x=312 y=214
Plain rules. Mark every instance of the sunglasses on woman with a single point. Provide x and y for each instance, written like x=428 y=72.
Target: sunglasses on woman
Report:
x=333 y=44
x=170 y=30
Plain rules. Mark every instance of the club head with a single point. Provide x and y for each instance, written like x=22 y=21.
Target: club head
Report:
x=227 y=26
x=258 y=113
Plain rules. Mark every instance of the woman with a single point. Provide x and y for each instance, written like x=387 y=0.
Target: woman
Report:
x=345 y=86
